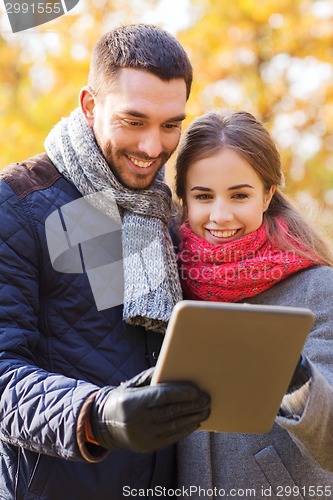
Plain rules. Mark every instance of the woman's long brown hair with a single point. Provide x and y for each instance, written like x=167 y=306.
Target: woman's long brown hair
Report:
x=242 y=132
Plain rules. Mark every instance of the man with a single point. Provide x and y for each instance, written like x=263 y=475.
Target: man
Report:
x=68 y=429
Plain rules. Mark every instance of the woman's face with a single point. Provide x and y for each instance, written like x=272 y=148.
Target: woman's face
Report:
x=225 y=198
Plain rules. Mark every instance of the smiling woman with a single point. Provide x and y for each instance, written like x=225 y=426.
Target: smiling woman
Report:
x=243 y=241
x=231 y=200
x=234 y=162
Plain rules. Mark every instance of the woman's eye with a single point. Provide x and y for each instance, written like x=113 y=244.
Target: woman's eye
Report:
x=203 y=196
x=240 y=196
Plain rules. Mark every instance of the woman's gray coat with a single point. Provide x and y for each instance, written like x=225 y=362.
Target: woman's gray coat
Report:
x=295 y=459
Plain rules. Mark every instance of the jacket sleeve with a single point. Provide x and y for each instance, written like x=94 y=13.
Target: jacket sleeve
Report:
x=39 y=410
x=313 y=430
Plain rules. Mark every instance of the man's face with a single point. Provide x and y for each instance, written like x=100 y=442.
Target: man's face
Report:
x=137 y=125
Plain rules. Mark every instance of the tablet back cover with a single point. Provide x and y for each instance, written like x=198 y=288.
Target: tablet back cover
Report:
x=243 y=355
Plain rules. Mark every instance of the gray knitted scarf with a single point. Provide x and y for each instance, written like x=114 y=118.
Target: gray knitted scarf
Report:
x=72 y=148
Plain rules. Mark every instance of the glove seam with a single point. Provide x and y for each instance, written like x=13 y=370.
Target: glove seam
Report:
x=90 y=452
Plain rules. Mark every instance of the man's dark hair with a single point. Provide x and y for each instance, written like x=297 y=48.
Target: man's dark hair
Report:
x=138 y=46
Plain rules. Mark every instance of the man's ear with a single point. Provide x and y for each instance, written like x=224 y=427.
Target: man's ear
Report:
x=268 y=197
x=87 y=105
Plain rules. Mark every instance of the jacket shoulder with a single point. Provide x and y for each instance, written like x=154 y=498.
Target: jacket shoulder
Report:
x=34 y=174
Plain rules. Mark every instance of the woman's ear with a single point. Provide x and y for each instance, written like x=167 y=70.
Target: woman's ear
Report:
x=268 y=197
x=87 y=104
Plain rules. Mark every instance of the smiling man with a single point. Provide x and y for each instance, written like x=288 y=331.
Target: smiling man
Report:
x=78 y=418
x=138 y=124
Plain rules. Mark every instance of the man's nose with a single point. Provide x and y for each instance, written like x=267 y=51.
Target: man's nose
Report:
x=151 y=143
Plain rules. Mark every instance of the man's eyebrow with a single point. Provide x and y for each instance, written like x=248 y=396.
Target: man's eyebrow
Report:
x=132 y=112
x=240 y=186
x=178 y=118
x=138 y=114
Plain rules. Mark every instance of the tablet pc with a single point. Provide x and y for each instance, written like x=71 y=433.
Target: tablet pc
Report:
x=243 y=355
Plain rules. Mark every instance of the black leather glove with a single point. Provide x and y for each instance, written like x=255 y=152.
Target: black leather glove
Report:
x=301 y=375
x=139 y=417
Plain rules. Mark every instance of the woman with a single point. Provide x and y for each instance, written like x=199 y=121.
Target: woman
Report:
x=249 y=244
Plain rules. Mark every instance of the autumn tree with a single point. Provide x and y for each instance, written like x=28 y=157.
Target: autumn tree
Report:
x=43 y=69
x=273 y=59
x=270 y=58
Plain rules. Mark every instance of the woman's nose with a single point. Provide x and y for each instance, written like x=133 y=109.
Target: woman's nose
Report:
x=220 y=213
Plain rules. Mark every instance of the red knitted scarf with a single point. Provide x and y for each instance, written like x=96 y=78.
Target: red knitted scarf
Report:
x=235 y=270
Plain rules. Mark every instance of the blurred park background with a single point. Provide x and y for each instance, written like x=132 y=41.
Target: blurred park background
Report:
x=273 y=58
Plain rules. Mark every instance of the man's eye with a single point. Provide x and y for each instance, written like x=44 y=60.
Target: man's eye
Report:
x=132 y=123
x=171 y=125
